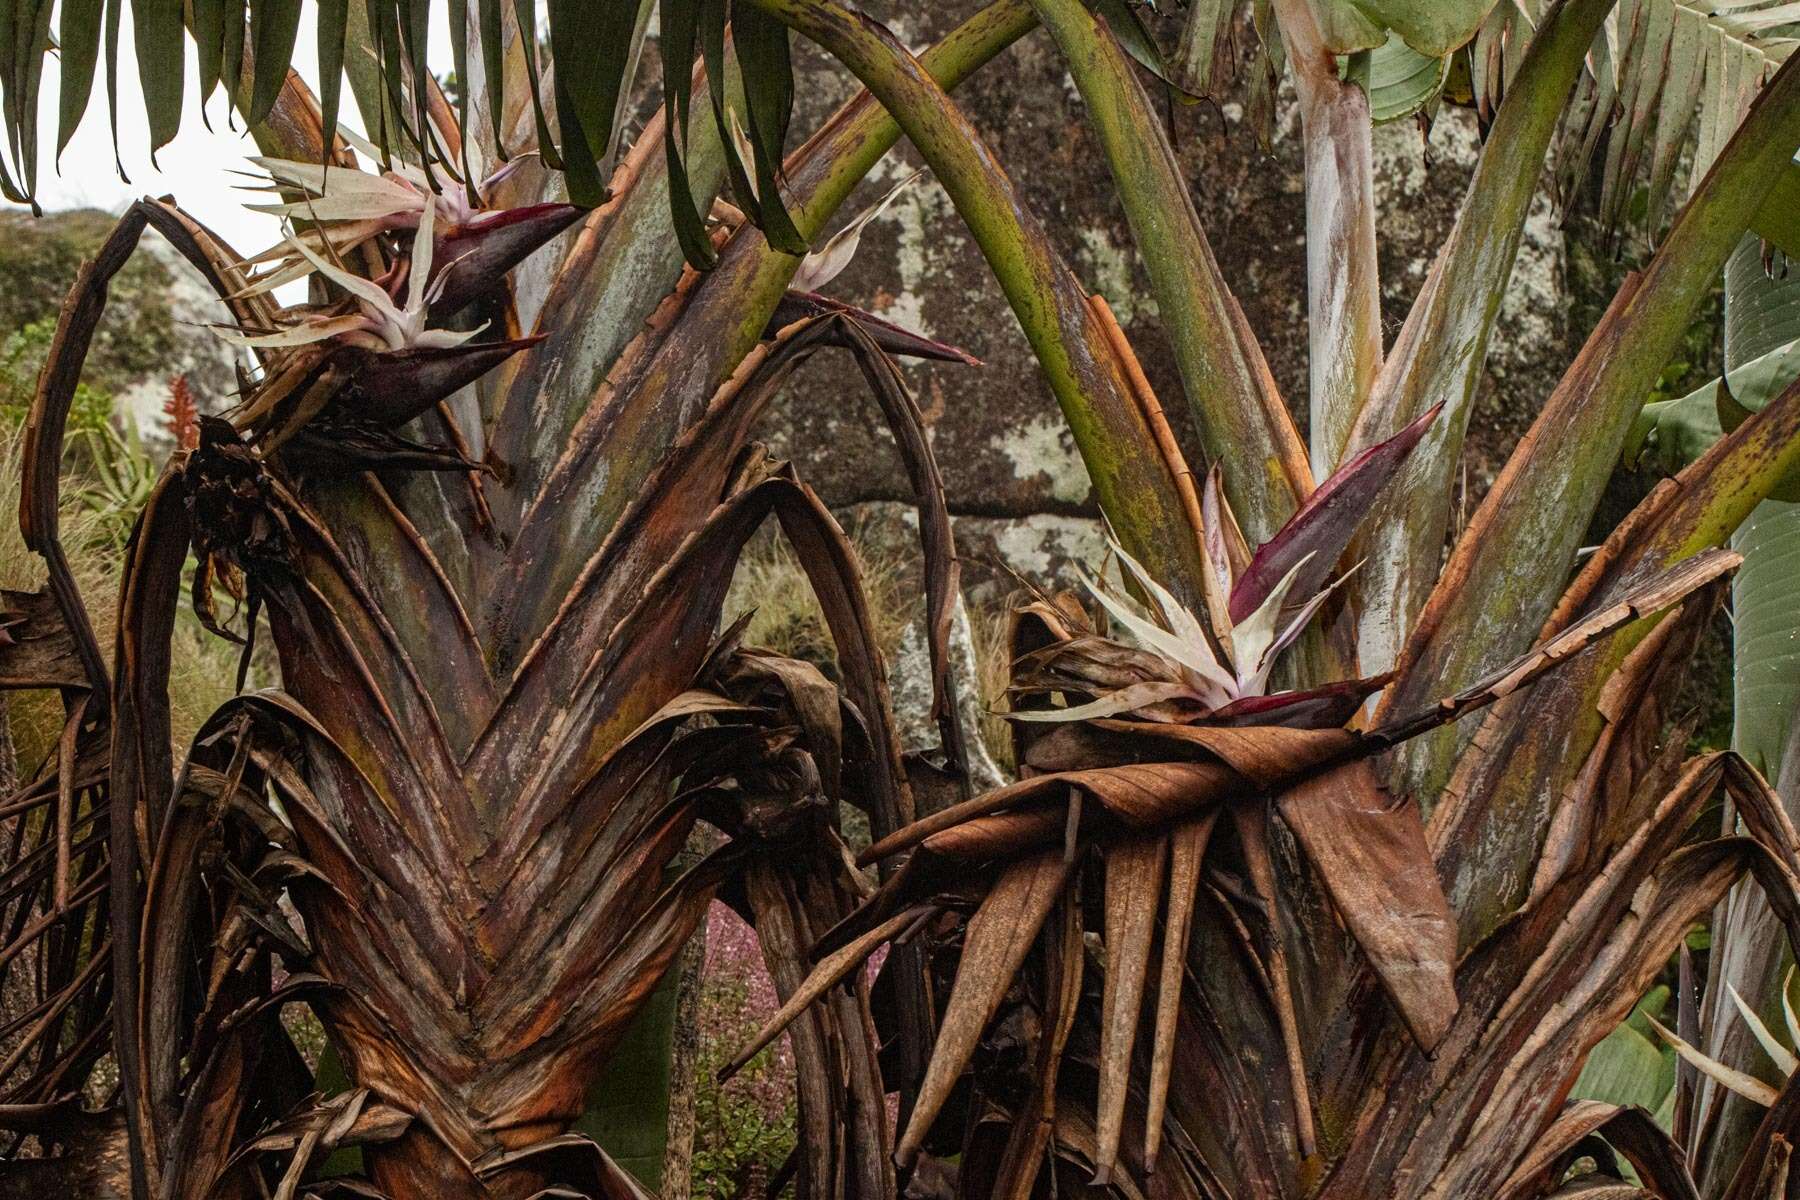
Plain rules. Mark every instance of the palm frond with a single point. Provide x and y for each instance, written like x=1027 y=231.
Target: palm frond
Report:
x=1663 y=76
x=248 y=47
x=1667 y=81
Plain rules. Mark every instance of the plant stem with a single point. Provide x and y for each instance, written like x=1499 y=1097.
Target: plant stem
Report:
x=678 y=1156
x=1343 y=278
x=1512 y=563
x=1441 y=352
x=1133 y=487
x=1239 y=415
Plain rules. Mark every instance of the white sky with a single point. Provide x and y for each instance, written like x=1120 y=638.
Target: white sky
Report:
x=196 y=168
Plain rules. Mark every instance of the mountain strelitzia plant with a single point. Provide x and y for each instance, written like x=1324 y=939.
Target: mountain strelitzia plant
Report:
x=1180 y=742
x=1371 y=945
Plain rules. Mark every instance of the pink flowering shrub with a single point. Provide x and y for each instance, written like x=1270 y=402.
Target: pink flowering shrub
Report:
x=745 y=1125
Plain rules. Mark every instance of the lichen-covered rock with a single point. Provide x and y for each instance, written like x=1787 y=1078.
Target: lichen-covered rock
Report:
x=1017 y=488
x=1005 y=452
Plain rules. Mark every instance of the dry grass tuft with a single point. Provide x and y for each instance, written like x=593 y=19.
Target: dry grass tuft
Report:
x=787 y=618
x=993 y=671
x=204 y=668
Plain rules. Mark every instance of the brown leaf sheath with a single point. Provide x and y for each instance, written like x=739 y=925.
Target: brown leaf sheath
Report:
x=1134 y=891
x=995 y=943
x=1187 y=848
x=1370 y=852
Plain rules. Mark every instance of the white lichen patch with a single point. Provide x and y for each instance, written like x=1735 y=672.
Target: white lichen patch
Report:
x=928 y=235
x=901 y=26
x=912 y=695
x=1403 y=161
x=1043 y=449
x=1107 y=268
x=1047 y=547
x=1535 y=306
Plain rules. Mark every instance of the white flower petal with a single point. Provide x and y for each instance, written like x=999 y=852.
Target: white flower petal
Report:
x=1217 y=529
x=1252 y=637
x=1126 y=699
x=420 y=271
x=289 y=266
x=1787 y=1007
x=1160 y=640
x=1286 y=638
x=337 y=180
x=824 y=264
x=440 y=339
x=367 y=292
x=1785 y=1062
x=1258 y=682
x=1747 y=1086
x=1176 y=618
x=338 y=208
x=371 y=152
x=741 y=143
x=303 y=334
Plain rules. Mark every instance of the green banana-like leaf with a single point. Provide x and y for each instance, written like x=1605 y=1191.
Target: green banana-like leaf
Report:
x=628 y=1106
x=1347 y=26
x=274 y=26
x=1434 y=28
x=1760 y=309
x=679 y=33
x=1664 y=76
x=80 y=36
x=1629 y=1067
x=1669 y=434
x=157 y=30
x=334 y=19
x=1399 y=80
x=1409 y=45
x=1778 y=220
x=1768 y=630
x=768 y=81
x=525 y=13
x=588 y=99
x=1207 y=29
x=1762 y=313
x=231 y=53
x=209 y=44
x=1141 y=44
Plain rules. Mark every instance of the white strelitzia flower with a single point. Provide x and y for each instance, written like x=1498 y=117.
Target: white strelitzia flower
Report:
x=1213 y=677
x=1254 y=603
x=378 y=323
x=827 y=262
x=346 y=207
x=339 y=193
